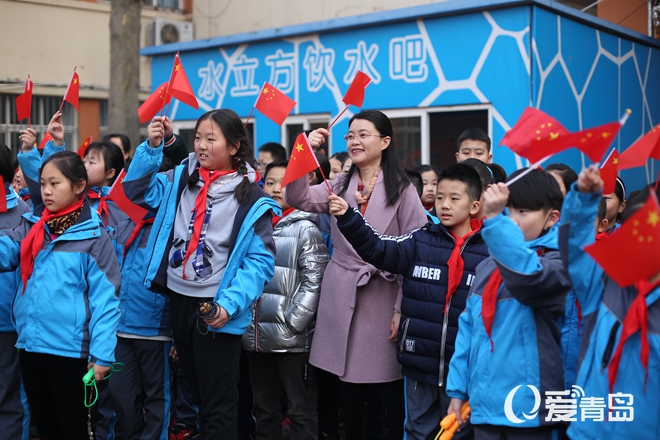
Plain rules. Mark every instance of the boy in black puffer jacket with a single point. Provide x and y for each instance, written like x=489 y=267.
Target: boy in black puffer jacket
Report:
x=438 y=263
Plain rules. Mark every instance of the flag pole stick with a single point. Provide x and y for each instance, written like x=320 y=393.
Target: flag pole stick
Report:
x=255 y=103
x=67 y=89
x=531 y=168
x=30 y=114
x=168 y=84
x=248 y=118
x=338 y=116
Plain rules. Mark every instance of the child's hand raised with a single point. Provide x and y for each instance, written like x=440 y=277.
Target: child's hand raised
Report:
x=28 y=137
x=168 y=129
x=336 y=205
x=156 y=131
x=589 y=180
x=495 y=199
x=56 y=129
x=317 y=137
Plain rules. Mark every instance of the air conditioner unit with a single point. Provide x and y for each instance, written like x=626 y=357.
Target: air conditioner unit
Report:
x=163 y=31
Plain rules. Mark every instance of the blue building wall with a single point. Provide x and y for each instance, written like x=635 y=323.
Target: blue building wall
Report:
x=507 y=58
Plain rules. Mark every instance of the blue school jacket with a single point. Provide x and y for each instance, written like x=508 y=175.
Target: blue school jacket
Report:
x=251 y=262
x=427 y=336
x=31 y=161
x=143 y=312
x=604 y=307
x=9 y=280
x=70 y=306
x=525 y=332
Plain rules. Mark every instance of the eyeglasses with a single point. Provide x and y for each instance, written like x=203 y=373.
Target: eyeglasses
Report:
x=351 y=137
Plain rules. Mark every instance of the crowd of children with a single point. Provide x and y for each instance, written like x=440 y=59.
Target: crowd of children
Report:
x=224 y=305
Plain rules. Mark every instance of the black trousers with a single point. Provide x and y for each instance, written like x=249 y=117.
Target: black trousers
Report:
x=210 y=364
x=14 y=415
x=141 y=392
x=362 y=404
x=53 y=385
x=273 y=374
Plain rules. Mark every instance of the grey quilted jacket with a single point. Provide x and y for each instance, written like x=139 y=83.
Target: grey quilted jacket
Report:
x=283 y=318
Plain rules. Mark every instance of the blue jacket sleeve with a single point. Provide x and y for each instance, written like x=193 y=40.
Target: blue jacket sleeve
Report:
x=256 y=270
x=104 y=281
x=10 y=245
x=458 y=378
x=391 y=254
x=143 y=184
x=577 y=231
x=535 y=281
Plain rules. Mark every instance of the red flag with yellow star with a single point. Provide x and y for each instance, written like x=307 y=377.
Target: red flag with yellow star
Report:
x=593 y=142
x=274 y=104
x=150 y=108
x=44 y=141
x=301 y=162
x=608 y=172
x=83 y=148
x=72 y=91
x=535 y=135
x=647 y=147
x=639 y=236
x=179 y=86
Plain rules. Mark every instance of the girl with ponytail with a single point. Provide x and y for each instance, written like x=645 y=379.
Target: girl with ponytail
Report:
x=211 y=251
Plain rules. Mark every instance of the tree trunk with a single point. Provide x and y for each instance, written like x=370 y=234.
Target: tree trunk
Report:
x=125 y=68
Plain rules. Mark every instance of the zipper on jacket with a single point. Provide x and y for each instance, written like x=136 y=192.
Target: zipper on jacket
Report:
x=610 y=346
x=403 y=336
x=256 y=325
x=445 y=324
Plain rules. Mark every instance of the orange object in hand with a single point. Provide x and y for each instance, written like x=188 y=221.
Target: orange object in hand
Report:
x=450 y=424
x=449 y=420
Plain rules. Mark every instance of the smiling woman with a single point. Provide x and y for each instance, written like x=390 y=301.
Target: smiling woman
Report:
x=358 y=315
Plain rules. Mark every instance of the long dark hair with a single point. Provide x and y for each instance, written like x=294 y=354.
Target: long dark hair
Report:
x=394 y=175
x=234 y=132
x=113 y=157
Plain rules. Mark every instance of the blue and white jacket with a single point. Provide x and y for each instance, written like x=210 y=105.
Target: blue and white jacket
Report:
x=70 y=306
x=31 y=161
x=604 y=307
x=427 y=336
x=143 y=312
x=251 y=261
x=9 y=280
x=525 y=361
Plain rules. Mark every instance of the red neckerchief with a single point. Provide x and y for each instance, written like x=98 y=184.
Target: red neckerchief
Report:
x=208 y=177
x=636 y=319
x=3 y=196
x=429 y=207
x=456 y=263
x=489 y=299
x=602 y=235
x=277 y=218
x=102 y=207
x=136 y=231
x=363 y=192
x=33 y=241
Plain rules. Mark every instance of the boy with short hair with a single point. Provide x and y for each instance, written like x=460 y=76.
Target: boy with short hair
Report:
x=438 y=264
x=473 y=142
x=507 y=349
x=619 y=364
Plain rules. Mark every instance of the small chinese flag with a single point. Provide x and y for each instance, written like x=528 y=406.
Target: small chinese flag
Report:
x=179 y=87
x=83 y=148
x=608 y=172
x=135 y=212
x=154 y=103
x=3 y=196
x=639 y=236
x=72 y=91
x=274 y=104
x=301 y=162
x=24 y=101
x=355 y=93
x=645 y=148
x=593 y=142
x=44 y=141
x=535 y=135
